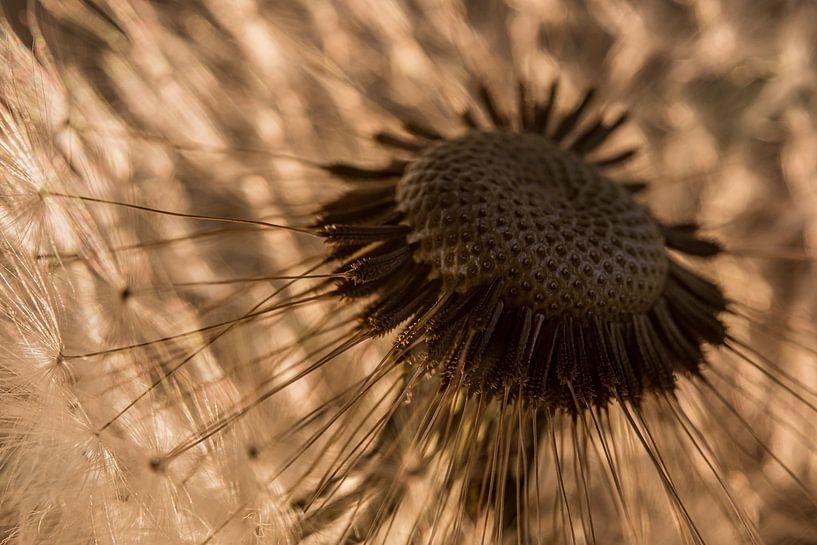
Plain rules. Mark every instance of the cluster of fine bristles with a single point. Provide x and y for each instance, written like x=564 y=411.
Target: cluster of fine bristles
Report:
x=407 y=272
x=520 y=269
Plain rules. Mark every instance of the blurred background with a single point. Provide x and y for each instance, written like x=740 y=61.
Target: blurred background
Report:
x=224 y=109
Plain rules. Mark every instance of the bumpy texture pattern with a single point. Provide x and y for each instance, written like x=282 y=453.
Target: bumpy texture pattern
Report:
x=499 y=205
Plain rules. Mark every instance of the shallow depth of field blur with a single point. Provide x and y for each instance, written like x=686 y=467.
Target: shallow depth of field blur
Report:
x=218 y=108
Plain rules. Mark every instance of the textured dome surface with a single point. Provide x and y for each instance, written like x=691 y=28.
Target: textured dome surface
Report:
x=562 y=238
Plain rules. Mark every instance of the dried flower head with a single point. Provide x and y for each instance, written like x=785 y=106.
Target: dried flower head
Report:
x=520 y=268
x=307 y=272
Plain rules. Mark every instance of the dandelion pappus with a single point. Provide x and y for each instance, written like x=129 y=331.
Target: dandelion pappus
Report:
x=234 y=378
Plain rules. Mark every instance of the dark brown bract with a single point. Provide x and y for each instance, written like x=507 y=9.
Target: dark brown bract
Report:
x=516 y=267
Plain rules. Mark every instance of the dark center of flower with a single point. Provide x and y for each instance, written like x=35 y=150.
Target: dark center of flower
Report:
x=515 y=267
x=516 y=207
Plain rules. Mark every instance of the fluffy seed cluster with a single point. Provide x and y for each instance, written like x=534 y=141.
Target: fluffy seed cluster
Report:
x=188 y=357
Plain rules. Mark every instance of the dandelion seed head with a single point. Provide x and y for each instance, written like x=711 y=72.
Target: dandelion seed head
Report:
x=516 y=266
x=227 y=384
x=517 y=208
